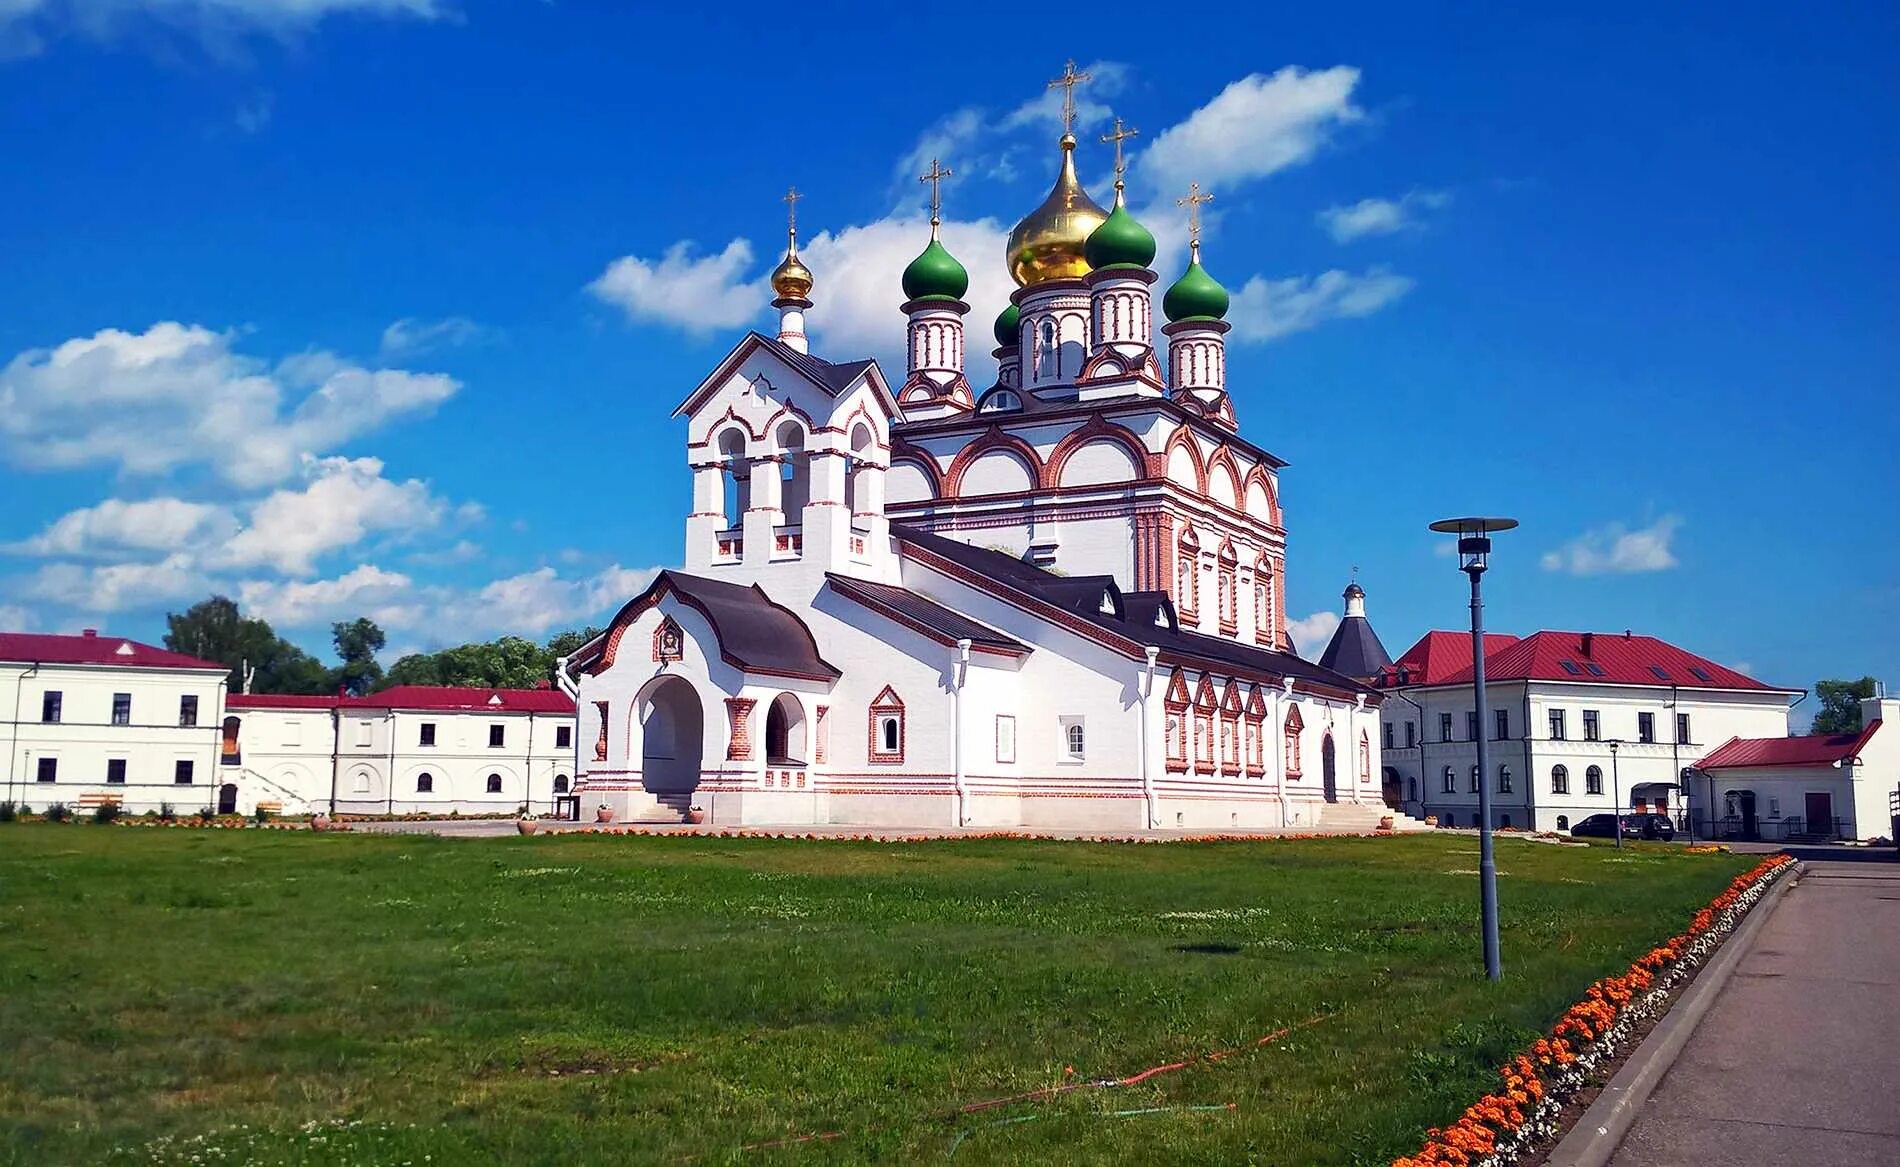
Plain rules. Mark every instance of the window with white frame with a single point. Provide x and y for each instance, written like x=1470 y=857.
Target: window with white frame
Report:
x=1593 y=780
x=1006 y=738
x=1451 y=781
x=1560 y=780
x=1504 y=780
x=1476 y=778
x=494 y=784
x=1074 y=739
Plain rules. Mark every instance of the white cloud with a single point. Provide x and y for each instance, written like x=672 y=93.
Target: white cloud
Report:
x=1312 y=634
x=1614 y=549
x=344 y=501
x=1380 y=216
x=859 y=273
x=26 y=25
x=116 y=527
x=1106 y=79
x=179 y=394
x=695 y=293
x=1266 y=309
x=14 y=618
x=409 y=337
x=118 y=586
x=1256 y=126
x=387 y=597
x=535 y=602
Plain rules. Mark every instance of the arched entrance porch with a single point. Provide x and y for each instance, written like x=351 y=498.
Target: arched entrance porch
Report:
x=672 y=736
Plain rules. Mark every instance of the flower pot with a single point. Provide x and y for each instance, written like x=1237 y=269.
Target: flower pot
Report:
x=527 y=826
x=320 y=822
x=604 y=814
x=695 y=816
x=1385 y=823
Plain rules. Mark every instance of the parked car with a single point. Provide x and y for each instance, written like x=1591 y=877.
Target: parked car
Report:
x=1635 y=826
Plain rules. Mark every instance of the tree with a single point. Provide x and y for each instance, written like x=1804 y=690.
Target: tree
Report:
x=507 y=663
x=357 y=643
x=215 y=630
x=1840 y=705
x=568 y=643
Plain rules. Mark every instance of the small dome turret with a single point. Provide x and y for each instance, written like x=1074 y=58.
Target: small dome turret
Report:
x=1195 y=296
x=1009 y=327
x=1120 y=241
x=791 y=279
x=935 y=274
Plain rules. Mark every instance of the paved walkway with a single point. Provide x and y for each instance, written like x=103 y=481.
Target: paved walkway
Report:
x=1799 y=1062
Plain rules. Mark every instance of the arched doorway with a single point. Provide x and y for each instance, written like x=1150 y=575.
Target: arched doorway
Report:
x=1740 y=813
x=672 y=730
x=1329 y=769
x=785 y=732
x=227 y=798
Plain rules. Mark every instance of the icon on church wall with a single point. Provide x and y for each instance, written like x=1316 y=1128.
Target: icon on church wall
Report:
x=668 y=641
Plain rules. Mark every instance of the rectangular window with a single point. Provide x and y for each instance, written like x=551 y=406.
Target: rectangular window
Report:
x=122 y=709
x=115 y=771
x=1592 y=727
x=48 y=770
x=188 y=709
x=425 y=734
x=181 y=773
x=496 y=735
x=1006 y=738
x=1503 y=719
x=1471 y=725
x=1074 y=740
x=563 y=737
x=50 y=703
x=1444 y=727
x=1682 y=728
x=1388 y=735
x=1557 y=730
x=1645 y=727
x=364 y=732
x=1411 y=735
x=293 y=731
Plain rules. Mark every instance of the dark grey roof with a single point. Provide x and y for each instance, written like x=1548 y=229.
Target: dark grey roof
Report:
x=1147 y=608
x=836 y=377
x=1355 y=649
x=754 y=633
x=1135 y=623
x=923 y=612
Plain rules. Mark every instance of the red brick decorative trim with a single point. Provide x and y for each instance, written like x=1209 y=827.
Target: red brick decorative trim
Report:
x=820 y=732
x=992 y=439
x=669 y=643
x=1203 y=743
x=1294 y=724
x=1260 y=475
x=887 y=704
x=1096 y=429
x=600 y=743
x=739 y=716
x=1184 y=437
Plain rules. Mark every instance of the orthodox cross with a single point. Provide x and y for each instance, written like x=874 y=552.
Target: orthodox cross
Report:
x=1068 y=81
x=791 y=213
x=935 y=177
x=1118 y=137
x=1195 y=197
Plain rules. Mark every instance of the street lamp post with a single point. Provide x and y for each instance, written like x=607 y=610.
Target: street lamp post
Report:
x=1616 y=790
x=1474 y=549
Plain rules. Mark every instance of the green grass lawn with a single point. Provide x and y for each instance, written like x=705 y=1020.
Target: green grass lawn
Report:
x=605 y=1000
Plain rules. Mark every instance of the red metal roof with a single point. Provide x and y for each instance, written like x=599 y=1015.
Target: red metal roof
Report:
x=1608 y=659
x=447 y=698
x=1813 y=750
x=89 y=648
x=1438 y=656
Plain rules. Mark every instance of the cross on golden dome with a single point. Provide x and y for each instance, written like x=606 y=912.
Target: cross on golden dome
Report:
x=791 y=214
x=1118 y=137
x=791 y=279
x=1192 y=201
x=1068 y=81
x=934 y=177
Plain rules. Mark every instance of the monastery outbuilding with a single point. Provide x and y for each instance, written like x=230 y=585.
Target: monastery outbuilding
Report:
x=1055 y=601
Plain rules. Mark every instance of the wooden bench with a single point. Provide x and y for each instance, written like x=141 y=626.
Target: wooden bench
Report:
x=271 y=807
x=95 y=801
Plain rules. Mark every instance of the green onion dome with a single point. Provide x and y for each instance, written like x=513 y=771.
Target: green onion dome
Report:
x=935 y=275
x=1119 y=242
x=1195 y=296
x=1009 y=327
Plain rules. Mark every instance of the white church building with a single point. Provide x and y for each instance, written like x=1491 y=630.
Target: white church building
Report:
x=1055 y=602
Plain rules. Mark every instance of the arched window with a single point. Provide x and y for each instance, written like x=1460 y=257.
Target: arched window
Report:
x=785 y=732
x=1475 y=779
x=1411 y=790
x=560 y=784
x=1563 y=822
x=1263 y=601
x=999 y=401
x=1560 y=780
x=887 y=727
x=794 y=470
x=494 y=784
x=1593 y=780
x=1504 y=780
x=1294 y=724
x=1365 y=757
x=856 y=492
x=738 y=477
x=1048 y=355
x=1504 y=822
x=1187 y=577
x=425 y=783
x=1451 y=781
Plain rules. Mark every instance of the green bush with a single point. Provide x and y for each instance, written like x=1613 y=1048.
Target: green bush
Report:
x=105 y=812
x=9 y=810
x=166 y=813
x=260 y=815
x=59 y=812
x=206 y=814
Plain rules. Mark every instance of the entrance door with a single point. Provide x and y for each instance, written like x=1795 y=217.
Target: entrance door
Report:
x=1820 y=808
x=672 y=729
x=1328 y=769
x=227 y=798
x=1749 y=826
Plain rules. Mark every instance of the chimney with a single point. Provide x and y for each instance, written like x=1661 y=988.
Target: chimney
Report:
x=1589 y=638
x=89 y=633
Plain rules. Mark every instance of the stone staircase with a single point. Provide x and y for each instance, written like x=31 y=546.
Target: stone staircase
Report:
x=1354 y=818
x=672 y=808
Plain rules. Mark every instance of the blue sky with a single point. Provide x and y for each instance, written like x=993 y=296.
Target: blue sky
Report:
x=380 y=306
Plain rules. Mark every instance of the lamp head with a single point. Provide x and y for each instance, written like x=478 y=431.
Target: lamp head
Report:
x=1474 y=539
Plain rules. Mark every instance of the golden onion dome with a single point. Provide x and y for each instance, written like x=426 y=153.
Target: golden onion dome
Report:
x=791 y=279
x=1048 y=243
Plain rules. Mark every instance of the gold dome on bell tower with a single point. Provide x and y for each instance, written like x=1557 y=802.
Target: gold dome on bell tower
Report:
x=791 y=279
x=1048 y=243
